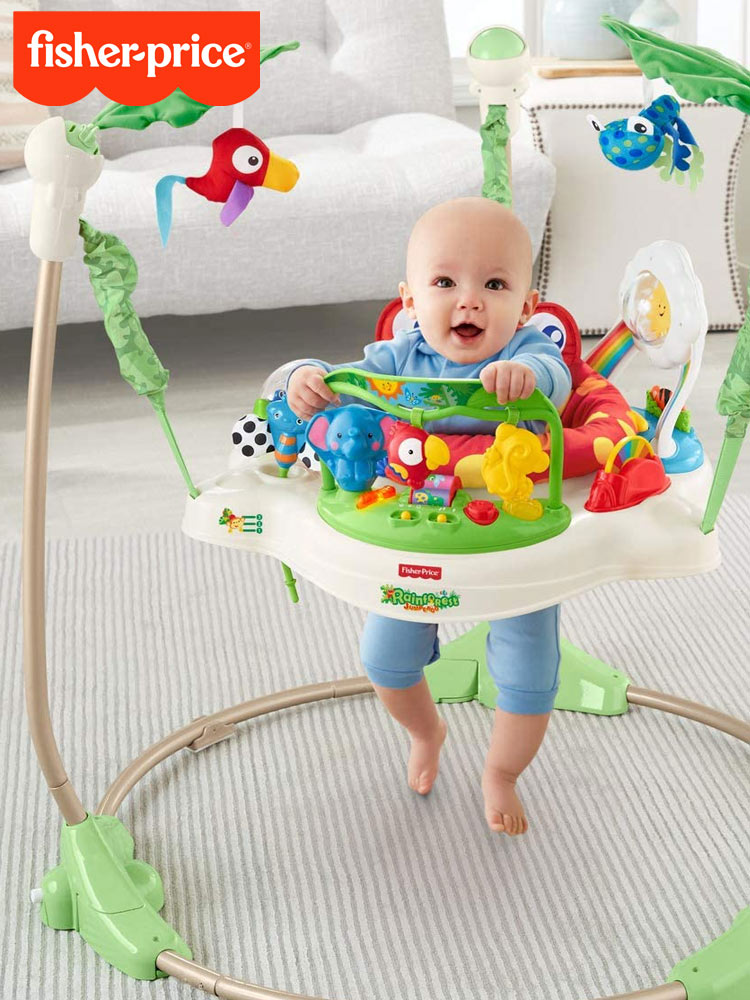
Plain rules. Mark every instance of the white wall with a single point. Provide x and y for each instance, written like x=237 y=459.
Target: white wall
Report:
x=466 y=17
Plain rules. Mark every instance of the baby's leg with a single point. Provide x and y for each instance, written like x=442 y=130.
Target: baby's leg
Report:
x=523 y=656
x=394 y=654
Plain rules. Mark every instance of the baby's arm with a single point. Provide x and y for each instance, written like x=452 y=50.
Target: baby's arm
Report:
x=535 y=363
x=307 y=392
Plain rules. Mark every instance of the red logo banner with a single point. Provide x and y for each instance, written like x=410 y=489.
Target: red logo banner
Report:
x=136 y=58
x=415 y=571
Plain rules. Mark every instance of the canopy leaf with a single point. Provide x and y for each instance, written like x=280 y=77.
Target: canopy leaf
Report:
x=177 y=110
x=696 y=73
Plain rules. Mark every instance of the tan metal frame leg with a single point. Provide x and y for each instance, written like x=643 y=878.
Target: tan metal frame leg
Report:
x=34 y=516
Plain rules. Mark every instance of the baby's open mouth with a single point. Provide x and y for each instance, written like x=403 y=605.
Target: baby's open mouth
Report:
x=466 y=330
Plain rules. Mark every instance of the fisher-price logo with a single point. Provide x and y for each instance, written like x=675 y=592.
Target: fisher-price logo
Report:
x=414 y=570
x=136 y=58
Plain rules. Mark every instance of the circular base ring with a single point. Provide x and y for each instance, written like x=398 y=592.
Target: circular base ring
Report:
x=209 y=729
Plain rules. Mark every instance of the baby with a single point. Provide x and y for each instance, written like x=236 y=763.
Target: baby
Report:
x=468 y=277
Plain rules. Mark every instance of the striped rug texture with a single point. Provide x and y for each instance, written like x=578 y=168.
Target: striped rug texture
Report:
x=295 y=856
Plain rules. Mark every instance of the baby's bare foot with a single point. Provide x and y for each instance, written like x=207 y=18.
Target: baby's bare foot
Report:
x=424 y=758
x=502 y=807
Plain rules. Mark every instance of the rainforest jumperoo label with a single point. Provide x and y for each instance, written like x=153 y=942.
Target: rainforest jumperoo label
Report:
x=409 y=600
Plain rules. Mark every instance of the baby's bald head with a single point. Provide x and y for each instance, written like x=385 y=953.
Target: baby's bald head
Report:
x=468 y=277
x=481 y=227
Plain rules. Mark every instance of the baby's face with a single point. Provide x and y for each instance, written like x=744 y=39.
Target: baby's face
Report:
x=468 y=276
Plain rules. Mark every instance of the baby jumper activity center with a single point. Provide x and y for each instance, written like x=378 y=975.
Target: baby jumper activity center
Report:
x=367 y=503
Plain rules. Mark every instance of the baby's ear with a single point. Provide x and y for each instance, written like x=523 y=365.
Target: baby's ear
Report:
x=407 y=299
x=529 y=307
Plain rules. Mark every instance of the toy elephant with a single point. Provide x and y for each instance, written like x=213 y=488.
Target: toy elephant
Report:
x=351 y=441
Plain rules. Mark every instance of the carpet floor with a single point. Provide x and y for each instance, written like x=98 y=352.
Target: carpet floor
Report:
x=294 y=855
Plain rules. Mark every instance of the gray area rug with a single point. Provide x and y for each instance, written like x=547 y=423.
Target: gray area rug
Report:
x=295 y=856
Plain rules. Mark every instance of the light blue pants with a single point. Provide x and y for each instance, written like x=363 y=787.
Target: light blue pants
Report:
x=523 y=656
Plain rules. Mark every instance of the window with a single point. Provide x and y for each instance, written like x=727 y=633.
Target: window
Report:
x=724 y=27
x=466 y=17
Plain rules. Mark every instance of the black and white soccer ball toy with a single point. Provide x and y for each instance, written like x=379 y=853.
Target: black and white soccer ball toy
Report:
x=250 y=437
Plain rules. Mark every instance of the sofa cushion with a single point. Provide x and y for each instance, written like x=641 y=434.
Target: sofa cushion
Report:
x=356 y=61
x=339 y=235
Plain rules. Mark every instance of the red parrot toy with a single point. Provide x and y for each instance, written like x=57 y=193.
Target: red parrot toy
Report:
x=240 y=162
x=413 y=454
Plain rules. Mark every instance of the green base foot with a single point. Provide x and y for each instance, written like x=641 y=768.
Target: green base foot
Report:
x=721 y=970
x=586 y=684
x=100 y=890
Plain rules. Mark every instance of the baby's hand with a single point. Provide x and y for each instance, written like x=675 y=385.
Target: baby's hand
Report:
x=307 y=393
x=508 y=380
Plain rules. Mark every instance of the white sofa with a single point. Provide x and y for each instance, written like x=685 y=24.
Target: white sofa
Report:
x=364 y=108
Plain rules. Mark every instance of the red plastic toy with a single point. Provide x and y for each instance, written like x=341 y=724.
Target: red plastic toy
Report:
x=637 y=478
x=481 y=511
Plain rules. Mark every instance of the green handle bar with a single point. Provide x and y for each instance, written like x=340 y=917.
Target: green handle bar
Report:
x=536 y=407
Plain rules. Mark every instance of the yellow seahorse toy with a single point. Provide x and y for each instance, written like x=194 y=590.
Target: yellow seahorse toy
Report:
x=505 y=467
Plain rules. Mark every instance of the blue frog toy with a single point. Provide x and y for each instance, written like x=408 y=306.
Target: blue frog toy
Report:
x=649 y=139
x=351 y=441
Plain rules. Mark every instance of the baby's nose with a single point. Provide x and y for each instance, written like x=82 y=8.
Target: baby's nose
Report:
x=469 y=299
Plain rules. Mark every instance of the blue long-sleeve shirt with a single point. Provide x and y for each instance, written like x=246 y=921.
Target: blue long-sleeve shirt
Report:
x=409 y=354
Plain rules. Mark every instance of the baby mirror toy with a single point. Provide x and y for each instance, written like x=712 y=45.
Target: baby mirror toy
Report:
x=552 y=502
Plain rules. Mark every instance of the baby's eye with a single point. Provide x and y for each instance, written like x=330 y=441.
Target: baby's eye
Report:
x=495 y=284
x=445 y=282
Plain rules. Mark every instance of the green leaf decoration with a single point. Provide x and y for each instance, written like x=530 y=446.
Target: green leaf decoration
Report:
x=696 y=170
x=495 y=134
x=696 y=73
x=664 y=162
x=114 y=275
x=177 y=110
x=666 y=173
x=271 y=51
x=734 y=394
x=486 y=400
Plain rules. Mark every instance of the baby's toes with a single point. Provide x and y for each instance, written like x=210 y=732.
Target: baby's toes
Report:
x=496 y=821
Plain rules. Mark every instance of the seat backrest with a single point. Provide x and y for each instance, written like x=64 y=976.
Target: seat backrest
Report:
x=358 y=59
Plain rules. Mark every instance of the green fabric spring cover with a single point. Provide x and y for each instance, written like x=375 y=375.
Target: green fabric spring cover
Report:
x=114 y=275
x=734 y=395
x=495 y=134
x=177 y=110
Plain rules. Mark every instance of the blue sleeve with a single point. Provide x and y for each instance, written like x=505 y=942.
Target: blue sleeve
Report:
x=384 y=357
x=535 y=350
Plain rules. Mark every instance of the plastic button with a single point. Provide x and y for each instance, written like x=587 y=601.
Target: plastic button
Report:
x=481 y=511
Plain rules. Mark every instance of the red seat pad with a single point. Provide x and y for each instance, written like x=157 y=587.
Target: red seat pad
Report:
x=594 y=419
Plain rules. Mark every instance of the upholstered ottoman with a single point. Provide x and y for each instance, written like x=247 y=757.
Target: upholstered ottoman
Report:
x=601 y=215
